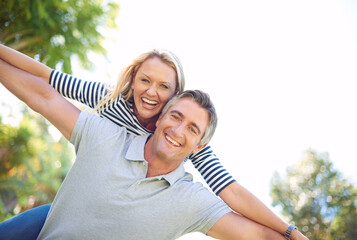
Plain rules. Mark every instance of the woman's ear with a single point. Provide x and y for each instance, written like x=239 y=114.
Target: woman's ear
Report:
x=132 y=80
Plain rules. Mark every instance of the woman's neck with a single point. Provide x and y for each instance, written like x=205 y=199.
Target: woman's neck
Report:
x=149 y=124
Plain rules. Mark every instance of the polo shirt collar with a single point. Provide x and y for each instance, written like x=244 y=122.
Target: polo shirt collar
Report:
x=175 y=175
x=136 y=149
x=136 y=153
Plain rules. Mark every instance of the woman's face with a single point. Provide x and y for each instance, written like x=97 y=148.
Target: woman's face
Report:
x=153 y=86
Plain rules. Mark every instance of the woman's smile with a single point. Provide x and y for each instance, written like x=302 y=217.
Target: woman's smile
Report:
x=153 y=86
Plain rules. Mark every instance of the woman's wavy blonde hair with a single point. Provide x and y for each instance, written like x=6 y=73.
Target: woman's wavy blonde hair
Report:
x=123 y=87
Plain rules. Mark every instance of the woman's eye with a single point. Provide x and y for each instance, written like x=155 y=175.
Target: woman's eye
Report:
x=145 y=80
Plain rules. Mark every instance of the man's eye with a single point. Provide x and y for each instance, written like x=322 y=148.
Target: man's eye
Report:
x=193 y=130
x=164 y=86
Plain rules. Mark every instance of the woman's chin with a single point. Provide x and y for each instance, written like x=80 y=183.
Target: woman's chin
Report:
x=148 y=115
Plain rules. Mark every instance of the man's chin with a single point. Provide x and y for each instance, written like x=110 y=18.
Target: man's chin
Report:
x=167 y=157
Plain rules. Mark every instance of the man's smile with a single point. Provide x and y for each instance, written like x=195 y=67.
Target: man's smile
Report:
x=172 y=141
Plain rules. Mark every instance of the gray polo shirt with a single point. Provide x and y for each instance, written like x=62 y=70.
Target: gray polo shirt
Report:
x=106 y=194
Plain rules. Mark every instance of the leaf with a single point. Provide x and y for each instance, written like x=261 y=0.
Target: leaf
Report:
x=317 y=198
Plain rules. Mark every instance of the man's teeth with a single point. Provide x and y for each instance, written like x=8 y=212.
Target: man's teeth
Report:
x=172 y=141
x=149 y=101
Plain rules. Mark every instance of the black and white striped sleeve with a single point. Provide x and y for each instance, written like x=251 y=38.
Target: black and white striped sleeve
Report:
x=86 y=92
x=211 y=169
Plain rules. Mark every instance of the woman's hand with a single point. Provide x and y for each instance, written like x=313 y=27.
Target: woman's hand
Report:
x=297 y=235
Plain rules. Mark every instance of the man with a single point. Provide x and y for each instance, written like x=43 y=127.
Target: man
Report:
x=129 y=187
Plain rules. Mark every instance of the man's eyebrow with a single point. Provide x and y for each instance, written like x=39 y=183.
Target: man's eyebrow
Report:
x=177 y=112
x=192 y=123
x=196 y=126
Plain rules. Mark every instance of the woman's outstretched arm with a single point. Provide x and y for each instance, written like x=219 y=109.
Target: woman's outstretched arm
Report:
x=89 y=93
x=23 y=62
x=245 y=203
x=86 y=92
x=40 y=97
x=236 y=196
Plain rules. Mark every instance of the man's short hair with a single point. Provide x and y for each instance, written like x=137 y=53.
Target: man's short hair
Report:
x=204 y=100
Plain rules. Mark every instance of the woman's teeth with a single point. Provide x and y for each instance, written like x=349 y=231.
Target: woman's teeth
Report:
x=149 y=101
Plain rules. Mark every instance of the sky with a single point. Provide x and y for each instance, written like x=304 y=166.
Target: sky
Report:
x=282 y=75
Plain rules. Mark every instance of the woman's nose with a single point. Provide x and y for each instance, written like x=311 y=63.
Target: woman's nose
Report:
x=151 y=90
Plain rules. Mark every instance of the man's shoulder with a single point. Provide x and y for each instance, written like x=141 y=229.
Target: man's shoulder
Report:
x=192 y=188
x=94 y=127
x=198 y=200
x=103 y=124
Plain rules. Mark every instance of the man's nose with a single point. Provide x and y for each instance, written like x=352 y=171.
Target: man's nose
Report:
x=179 y=130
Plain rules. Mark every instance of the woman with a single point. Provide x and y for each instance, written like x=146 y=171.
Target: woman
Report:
x=136 y=102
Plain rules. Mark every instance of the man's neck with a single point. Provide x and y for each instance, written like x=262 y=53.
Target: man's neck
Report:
x=157 y=166
x=155 y=169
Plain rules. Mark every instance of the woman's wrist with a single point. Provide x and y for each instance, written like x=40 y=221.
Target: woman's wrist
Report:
x=289 y=231
x=297 y=235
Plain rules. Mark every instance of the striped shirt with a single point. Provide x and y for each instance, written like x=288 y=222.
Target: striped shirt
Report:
x=121 y=113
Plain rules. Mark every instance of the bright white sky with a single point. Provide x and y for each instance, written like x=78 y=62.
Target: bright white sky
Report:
x=282 y=75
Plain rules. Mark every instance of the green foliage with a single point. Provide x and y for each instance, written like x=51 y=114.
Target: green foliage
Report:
x=316 y=198
x=53 y=31
x=32 y=164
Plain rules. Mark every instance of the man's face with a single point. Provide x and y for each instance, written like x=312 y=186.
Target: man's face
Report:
x=179 y=131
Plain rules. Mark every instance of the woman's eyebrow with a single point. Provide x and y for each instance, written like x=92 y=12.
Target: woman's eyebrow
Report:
x=146 y=75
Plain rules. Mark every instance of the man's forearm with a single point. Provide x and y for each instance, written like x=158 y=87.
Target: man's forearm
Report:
x=234 y=226
x=41 y=97
x=23 y=62
x=21 y=86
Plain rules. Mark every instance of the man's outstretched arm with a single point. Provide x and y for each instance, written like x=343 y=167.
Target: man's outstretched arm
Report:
x=234 y=226
x=245 y=203
x=24 y=62
x=40 y=97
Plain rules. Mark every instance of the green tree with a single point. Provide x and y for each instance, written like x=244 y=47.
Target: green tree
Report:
x=32 y=164
x=317 y=199
x=53 y=31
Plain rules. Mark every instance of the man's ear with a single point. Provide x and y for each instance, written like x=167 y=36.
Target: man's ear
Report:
x=199 y=148
x=158 y=120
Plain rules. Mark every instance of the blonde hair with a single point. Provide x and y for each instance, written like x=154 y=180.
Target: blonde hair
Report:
x=123 y=87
